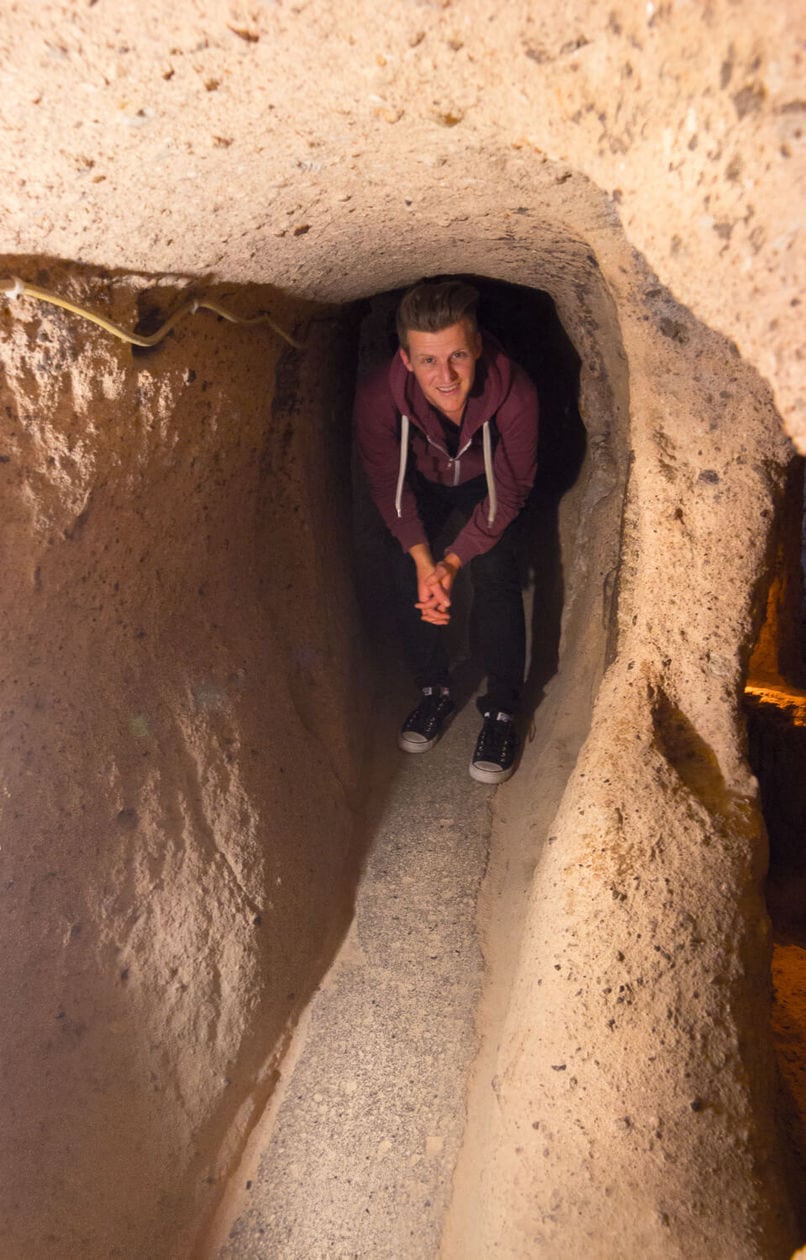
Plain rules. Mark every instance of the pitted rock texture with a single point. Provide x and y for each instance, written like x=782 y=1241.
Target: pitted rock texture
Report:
x=179 y=782
x=271 y=142
x=178 y=803
x=638 y=1003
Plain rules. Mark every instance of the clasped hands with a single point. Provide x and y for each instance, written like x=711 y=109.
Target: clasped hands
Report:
x=434 y=582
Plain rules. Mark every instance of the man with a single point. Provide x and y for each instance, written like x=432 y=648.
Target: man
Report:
x=451 y=424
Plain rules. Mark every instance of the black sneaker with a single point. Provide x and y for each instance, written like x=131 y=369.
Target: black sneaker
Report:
x=423 y=727
x=494 y=758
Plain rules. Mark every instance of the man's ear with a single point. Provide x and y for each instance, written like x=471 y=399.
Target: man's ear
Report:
x=405 y=358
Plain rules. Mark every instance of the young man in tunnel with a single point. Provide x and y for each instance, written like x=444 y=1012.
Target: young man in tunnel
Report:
x=450 y=426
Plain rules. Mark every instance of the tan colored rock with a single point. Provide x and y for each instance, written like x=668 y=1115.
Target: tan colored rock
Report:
x=631 y=1054
x=251 y=142
x=178 y=800
x=634 y=162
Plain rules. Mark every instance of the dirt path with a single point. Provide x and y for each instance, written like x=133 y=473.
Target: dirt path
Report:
x=357 y=1154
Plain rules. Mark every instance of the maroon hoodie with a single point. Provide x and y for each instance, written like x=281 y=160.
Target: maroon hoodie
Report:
x=502 y=393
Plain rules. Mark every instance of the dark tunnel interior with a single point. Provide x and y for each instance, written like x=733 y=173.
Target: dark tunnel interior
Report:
x=526 y=323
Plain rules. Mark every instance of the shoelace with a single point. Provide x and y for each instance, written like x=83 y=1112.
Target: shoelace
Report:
x=496 y=735
x=427 y=711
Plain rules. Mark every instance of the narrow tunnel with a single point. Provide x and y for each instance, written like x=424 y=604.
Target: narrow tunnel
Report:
x=381 y=1067
x=182 y=526
x=191 y=850
x=775 y=710
x=525 y=323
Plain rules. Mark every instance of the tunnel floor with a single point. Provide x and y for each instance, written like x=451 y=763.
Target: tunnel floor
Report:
x=356 y=1154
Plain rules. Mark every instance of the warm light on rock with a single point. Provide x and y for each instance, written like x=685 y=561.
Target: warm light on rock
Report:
x=189 y=693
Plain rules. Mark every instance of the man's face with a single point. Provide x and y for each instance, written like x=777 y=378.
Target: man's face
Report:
x=444 y=365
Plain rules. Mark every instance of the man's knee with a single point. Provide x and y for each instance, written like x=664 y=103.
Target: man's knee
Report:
x=498 y=567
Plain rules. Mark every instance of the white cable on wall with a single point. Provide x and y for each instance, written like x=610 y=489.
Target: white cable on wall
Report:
x=12 y=288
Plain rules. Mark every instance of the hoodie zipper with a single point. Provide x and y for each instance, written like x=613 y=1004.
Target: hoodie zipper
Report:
x=455 y=460
x=457 y=465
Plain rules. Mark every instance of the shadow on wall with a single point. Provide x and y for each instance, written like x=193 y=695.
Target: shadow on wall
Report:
x=526 y=323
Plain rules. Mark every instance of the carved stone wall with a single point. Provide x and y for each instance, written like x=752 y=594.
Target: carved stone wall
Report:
x=178 y=797
x=178 y=784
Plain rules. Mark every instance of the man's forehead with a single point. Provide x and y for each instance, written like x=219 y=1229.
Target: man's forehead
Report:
x=456 y=337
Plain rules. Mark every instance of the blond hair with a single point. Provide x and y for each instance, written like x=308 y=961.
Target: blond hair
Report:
x=432 y=306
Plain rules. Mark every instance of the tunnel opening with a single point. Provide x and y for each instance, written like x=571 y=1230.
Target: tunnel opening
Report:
x=774 y=708
x=207 y=525
x=525 y=322
x=775 y=713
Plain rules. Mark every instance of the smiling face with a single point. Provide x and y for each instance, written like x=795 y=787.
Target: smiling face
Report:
x=444 y=365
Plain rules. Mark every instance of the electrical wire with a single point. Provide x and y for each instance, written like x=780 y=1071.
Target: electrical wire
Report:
x=13 y=288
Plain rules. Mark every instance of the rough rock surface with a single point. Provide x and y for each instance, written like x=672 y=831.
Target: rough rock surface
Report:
x=630 y=1031
x=178 y=800
x=635 y=162
x=275 y=142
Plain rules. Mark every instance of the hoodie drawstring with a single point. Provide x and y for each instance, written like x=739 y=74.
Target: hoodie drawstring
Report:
x=486 y=442
x=404 y=455
x=487 y=445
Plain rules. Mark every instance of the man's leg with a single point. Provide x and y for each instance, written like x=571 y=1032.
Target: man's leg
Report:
x=497 y=625
x=423 y=643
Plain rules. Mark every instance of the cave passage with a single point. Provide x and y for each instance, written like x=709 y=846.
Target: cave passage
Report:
x=775 y=712
x=358 y=1149
x=187 y=690
x=526 y=323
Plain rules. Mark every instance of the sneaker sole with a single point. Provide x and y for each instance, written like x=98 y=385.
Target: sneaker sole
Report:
x=425 y=745
x=416 y=746
x=490 y=776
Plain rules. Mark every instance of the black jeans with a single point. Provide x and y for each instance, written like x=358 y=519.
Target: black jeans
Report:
x=497 y=628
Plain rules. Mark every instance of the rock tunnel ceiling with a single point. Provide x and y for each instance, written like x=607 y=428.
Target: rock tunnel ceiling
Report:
x=264 y=144
x=171 y=899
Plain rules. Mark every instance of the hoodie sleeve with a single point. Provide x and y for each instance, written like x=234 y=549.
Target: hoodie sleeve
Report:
x=378 y=435
x=514 y=468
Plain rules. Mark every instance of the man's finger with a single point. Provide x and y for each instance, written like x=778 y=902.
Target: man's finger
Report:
x=440 y=594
